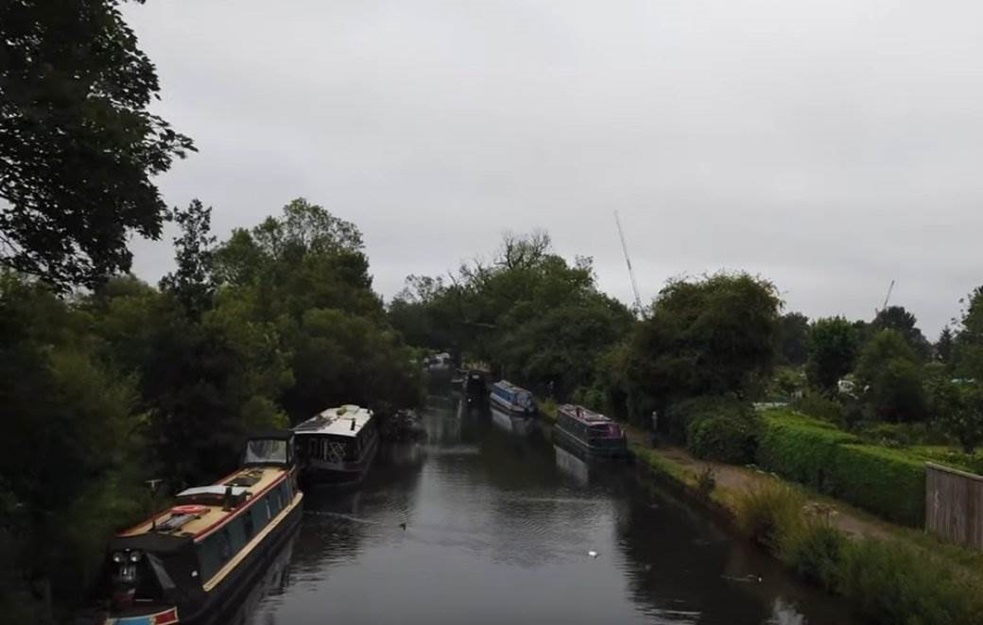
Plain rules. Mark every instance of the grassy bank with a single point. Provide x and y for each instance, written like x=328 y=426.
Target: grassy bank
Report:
x=893 y=577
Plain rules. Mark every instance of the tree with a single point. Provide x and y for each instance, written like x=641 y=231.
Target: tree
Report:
x=78 y=147
x=968 y=348
x=793 y=337
x=833 y=345
x=714 y=336
x=900 y=320
x=959 y=408
x=944 y=346
x=888 y=371
x=192 y=283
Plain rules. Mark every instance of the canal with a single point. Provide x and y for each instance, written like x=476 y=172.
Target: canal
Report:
x=499 y=528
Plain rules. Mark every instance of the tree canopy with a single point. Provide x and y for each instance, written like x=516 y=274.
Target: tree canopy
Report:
x=78 y=147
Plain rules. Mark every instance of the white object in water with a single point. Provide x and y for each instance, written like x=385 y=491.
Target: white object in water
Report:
x=592 y=554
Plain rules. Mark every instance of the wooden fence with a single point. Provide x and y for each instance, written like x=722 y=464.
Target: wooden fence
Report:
x=954 y=505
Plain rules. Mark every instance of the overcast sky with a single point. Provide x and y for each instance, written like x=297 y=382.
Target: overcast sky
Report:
x=829 y=145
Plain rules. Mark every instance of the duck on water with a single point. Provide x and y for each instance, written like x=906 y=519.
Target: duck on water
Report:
x=194 y=562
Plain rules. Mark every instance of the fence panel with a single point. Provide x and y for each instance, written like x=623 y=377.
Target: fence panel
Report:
x=954 y=505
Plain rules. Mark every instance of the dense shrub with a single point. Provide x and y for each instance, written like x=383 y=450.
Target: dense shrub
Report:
x=730 y=437
x=895 y=583
x=800 y=449
x=902 y=434
x=884 y=481
x=680 y=415
x=820 y=406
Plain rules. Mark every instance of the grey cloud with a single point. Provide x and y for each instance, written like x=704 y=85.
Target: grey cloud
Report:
x=828 y=145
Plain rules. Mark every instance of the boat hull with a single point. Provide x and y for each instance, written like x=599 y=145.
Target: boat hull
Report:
x=564 y=437
x=225 y=598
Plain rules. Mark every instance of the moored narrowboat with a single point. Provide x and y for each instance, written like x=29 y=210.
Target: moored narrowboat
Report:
x=590 y=431
x=196 y=561
x=337 y=446
x=508 y=396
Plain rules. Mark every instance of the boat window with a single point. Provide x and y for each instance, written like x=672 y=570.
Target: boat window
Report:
x=267 y=450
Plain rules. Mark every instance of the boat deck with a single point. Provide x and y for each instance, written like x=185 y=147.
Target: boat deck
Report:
x=253 y=480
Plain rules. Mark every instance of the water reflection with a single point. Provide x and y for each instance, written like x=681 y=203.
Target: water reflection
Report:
x=503 y=525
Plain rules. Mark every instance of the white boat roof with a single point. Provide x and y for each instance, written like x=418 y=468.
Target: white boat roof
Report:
x=337 y=421
x=214 y=489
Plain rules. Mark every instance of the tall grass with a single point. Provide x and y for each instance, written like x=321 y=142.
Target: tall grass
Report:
x=891 y=582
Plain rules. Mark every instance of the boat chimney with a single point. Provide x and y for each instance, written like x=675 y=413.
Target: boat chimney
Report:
x=227 y=504
x=353 y=424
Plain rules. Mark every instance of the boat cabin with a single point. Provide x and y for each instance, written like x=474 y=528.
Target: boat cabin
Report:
x=337 y=435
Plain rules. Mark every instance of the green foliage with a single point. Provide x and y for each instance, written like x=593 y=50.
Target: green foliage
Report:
x=895 y=583
x=793 y=339
x=900 y=435
x=79 y=147
x=958 y=407
x=820 y=406
x=713 y=336
x=944 y=347
x=888 y=371
x=891 y=582
x=899 y=320
x=886 y=482
x=730 y=437
x=767 y=514
x=833 y=346
x=800 y=449
x=815 y=550
x=192 y=284
x=968 y=344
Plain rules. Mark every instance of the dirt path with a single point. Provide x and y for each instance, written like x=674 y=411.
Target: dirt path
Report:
x=737 y=480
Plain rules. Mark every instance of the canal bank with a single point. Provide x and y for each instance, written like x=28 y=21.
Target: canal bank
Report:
x=889 y=573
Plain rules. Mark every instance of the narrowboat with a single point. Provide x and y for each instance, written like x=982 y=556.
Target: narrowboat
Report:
x=590 y=431
x=197 y=561
x=475 y=386
x=337 y=446
x=508 y=396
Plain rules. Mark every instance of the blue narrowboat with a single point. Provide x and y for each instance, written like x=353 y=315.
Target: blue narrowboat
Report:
x=510 y=397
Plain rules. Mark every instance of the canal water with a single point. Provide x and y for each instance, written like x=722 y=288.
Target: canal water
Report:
x=501 y=526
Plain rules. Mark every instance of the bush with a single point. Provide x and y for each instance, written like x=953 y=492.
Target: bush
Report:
x=769 y=515
x=896 y=583
x=800 y=449
x=680 y=415
x=731 y=438
x=884 y=481
x=815 y=550
x=820 y=406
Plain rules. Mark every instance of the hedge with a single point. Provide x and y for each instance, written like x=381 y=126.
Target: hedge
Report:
x=800 y=450
x=886 y=482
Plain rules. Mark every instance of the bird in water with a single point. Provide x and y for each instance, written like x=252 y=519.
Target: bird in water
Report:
x=592 y=554
x=403 y=525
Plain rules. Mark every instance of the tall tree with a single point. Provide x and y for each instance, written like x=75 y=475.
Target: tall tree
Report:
x=833 y=346
x=887 y=369
x=969 y=339
x=793 y=337
x=714 y=336
x=897 y=318
x=944 y=346
x=192 y=283
x=78 y=147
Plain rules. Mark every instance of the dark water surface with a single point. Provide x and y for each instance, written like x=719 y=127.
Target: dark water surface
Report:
x=499 y=526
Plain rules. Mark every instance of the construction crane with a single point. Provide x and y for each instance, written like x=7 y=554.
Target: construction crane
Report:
x=886 y=298
x=631 y=272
